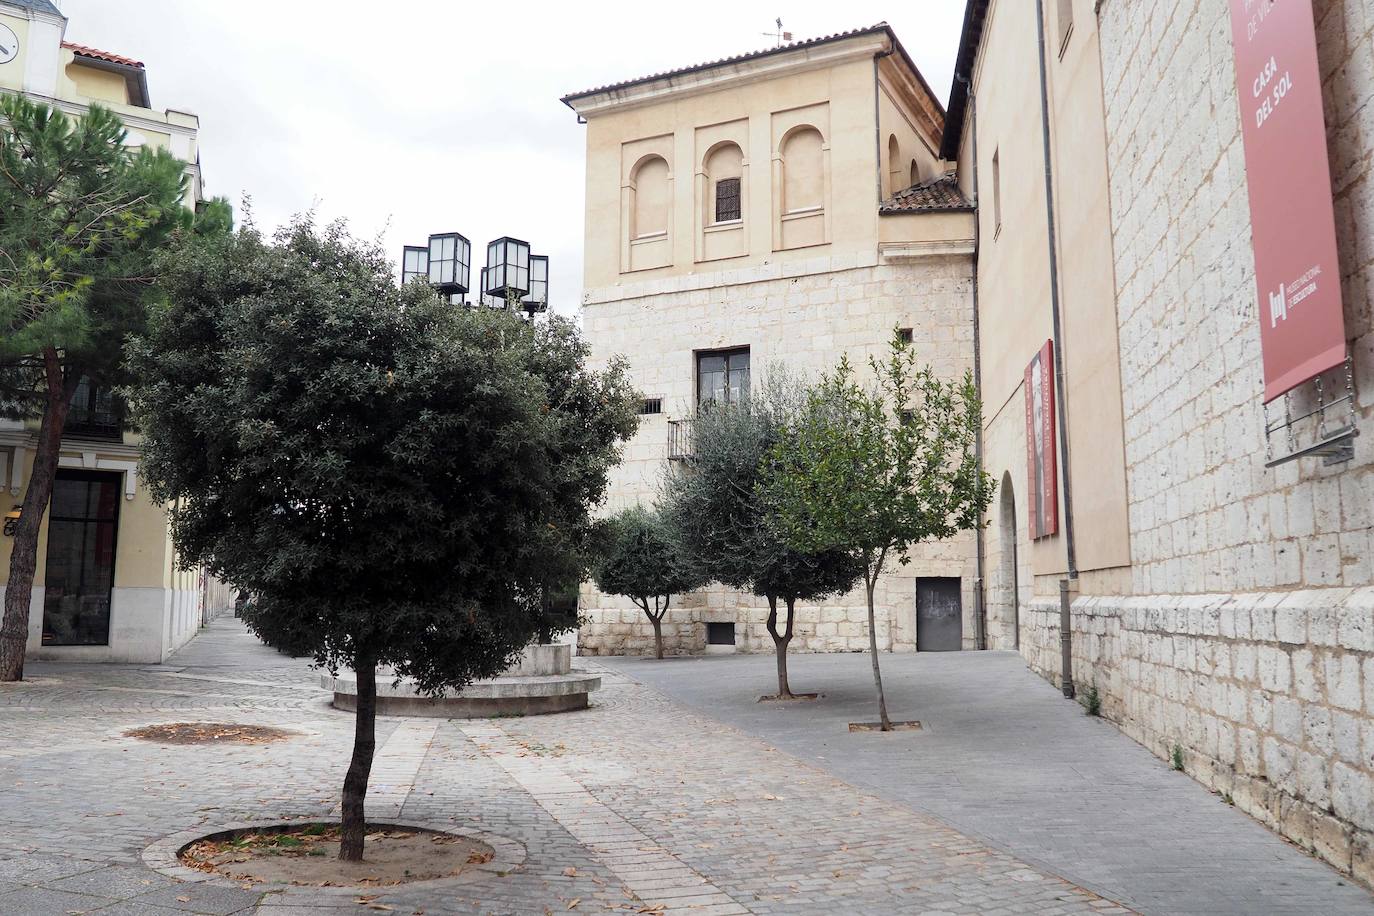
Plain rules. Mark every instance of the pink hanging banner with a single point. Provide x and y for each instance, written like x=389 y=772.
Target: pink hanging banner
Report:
x=1302 y=327
x=1041 y=467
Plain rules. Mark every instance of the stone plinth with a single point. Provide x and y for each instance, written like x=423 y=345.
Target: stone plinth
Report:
x=541 y=681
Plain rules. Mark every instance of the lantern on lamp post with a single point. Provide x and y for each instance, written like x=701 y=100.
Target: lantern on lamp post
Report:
x=450 y=255
x=508 y=268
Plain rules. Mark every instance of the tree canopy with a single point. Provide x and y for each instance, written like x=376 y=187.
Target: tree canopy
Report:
x=642 y=559
x=876 y=470
x=395 y=480
x=729 y=532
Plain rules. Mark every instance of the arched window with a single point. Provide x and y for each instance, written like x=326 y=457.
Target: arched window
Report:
x=915 y=174
x=803 y=171
x=894 y=165
x=650 y=210
x=724 y=169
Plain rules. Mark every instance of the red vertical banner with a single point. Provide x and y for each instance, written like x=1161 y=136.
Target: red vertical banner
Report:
x=1302 y=327
x=1042 y=468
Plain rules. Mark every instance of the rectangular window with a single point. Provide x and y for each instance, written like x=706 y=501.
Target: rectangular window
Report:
x=996 y=191
x=82 y=526
x=650 y=406
x=722 y=376
x=727 y=200
x=720 y=634
x=904 y=335
x=1065 y=22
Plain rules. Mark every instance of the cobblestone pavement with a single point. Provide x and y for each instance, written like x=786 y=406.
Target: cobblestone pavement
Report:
x=1004 y=758
x=637 y=805
x=634 y=806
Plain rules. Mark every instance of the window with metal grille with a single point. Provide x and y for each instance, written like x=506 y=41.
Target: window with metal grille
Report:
x=727 y=200
x=96 y=412
x=650 y=405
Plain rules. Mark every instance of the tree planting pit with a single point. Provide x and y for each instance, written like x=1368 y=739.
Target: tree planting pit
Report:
x=307 y=855
x=775 y=698
x=209 y=733
x=911 y=726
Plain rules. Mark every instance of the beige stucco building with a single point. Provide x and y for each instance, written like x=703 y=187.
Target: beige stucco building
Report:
x=107 y=586
x=744 y=214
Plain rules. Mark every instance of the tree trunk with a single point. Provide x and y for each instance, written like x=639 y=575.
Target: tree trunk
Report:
x=360 y=767
x=780 y=642
x=658 y=634
x=14 y=630
x=886 y=723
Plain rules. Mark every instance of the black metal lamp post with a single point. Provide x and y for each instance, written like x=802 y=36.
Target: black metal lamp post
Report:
x=512 y=276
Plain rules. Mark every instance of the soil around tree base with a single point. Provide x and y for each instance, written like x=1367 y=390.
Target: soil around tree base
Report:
x=909 y=726
x=306 y=855
x=787 y=698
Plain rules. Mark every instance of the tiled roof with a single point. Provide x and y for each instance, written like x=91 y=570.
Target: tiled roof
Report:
x=779 y=49
x=936 y=194
x=41 y=6
x=96 y=54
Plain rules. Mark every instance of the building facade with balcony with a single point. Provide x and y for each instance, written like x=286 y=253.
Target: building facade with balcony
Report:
x=777 y=209
x=107 y=586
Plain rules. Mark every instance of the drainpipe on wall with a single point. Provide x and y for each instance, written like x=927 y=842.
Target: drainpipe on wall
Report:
x=980 y=607
x=1065 y=599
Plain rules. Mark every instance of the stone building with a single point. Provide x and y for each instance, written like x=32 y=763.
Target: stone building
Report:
x=107 y=586
x=775 y=209
x=1218 y=582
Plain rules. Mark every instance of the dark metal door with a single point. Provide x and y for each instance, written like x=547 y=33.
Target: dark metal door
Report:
x=939 y=615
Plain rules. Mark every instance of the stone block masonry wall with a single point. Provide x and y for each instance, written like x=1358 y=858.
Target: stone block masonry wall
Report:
x=1269 y=695
x=802 y=316
x=1246 y=635
x=1206 y=515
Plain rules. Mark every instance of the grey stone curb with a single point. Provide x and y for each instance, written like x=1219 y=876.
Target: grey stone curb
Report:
x=163 y=857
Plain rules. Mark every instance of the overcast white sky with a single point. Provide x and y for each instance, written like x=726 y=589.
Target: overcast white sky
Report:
x=436 y=116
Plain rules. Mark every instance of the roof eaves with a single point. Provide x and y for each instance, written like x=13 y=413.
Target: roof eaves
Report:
x=975 y=15
x=740 y=58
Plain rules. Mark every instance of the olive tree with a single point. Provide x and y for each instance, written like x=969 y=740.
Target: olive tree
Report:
x=730 y=533
x=642 y=560
x=877 y=470
x=390 y=476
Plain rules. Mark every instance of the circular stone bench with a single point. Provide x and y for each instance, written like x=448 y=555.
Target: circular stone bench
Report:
x=541 y=681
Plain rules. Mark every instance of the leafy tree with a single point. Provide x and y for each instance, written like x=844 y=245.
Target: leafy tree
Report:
x=642 y=561
x=730 y=533
x=391 y=477
x=80 y=219
x=879 y=471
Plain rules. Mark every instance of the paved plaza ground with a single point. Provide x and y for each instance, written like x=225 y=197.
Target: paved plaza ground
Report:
x=675 y=793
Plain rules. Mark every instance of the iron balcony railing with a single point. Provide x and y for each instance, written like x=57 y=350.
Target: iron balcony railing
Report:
x=681 y=444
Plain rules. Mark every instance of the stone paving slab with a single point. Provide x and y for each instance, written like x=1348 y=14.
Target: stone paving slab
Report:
x=1003 y=757
x=633 y=804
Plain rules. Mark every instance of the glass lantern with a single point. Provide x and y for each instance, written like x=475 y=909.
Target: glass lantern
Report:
x=537 y=299
x=450 y=255
x=508 y=268
x=414 y=263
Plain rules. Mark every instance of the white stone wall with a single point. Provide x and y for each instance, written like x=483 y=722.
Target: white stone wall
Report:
x=802 y=315
x=1245 y=635
x=1206 y=515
